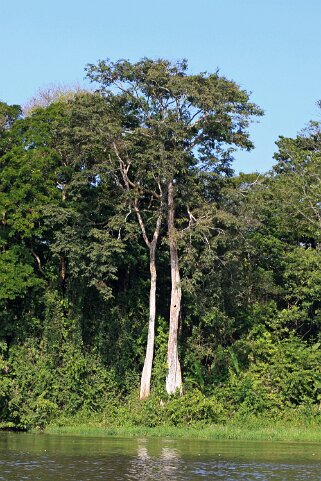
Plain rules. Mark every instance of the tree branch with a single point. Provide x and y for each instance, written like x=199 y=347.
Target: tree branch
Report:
x=37 y=260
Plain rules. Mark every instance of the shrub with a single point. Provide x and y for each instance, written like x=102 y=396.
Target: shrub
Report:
x=40 y=385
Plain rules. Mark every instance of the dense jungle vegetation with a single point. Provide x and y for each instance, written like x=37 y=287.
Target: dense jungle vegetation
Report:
x=140 y=277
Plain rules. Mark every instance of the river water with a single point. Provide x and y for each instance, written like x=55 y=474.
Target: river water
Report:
x=79 y=458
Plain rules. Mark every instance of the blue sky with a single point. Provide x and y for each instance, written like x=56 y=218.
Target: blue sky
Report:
x=269 y=47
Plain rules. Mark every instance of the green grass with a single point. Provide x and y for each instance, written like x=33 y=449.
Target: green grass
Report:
x=259 y=430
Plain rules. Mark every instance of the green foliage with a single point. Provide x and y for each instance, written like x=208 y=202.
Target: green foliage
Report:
x=280 y=374
x=204 y=347
x=194 y=408
x=160 y=361
x=39 y=385
x=5 y=384
x=16 y=273
x=74 y=267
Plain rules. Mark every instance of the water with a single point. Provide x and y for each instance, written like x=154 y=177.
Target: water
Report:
x=78 y=458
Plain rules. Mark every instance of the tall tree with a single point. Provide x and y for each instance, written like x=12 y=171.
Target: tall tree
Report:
x=191 y=122
x=136 y=192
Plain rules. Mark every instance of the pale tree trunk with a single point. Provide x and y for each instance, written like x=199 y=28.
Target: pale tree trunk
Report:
x=151 y=244
x=174 y=375
x=147 y=369
x=148 y=364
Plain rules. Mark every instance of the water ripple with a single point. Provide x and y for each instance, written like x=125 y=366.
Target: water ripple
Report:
x=81 y=459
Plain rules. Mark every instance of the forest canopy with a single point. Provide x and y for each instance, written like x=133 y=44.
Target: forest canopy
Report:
x=135 y=264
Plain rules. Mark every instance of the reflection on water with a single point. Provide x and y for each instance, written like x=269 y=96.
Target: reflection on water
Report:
x=145 y=466
x=55 y=458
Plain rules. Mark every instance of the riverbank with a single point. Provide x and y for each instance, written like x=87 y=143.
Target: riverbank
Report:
x=250 y=431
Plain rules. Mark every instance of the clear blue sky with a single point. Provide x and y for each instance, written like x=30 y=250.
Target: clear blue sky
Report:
x=269 y=47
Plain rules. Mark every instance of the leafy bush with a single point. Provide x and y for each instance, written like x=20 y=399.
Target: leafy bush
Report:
x=281 y=374
x=194 y=408
x=191 y=409
x=39 y=386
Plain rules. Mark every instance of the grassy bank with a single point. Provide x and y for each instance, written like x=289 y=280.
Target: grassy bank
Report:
x=260 y=430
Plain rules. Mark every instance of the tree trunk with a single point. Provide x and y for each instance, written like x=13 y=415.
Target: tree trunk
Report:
x=174 y=375
x=63 y=274
x=147 y=369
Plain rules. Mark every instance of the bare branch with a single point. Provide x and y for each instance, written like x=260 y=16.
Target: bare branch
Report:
x=141 y=223
x=125 y=220
x=37 y=260
x=124 y=168
x=194 y=116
